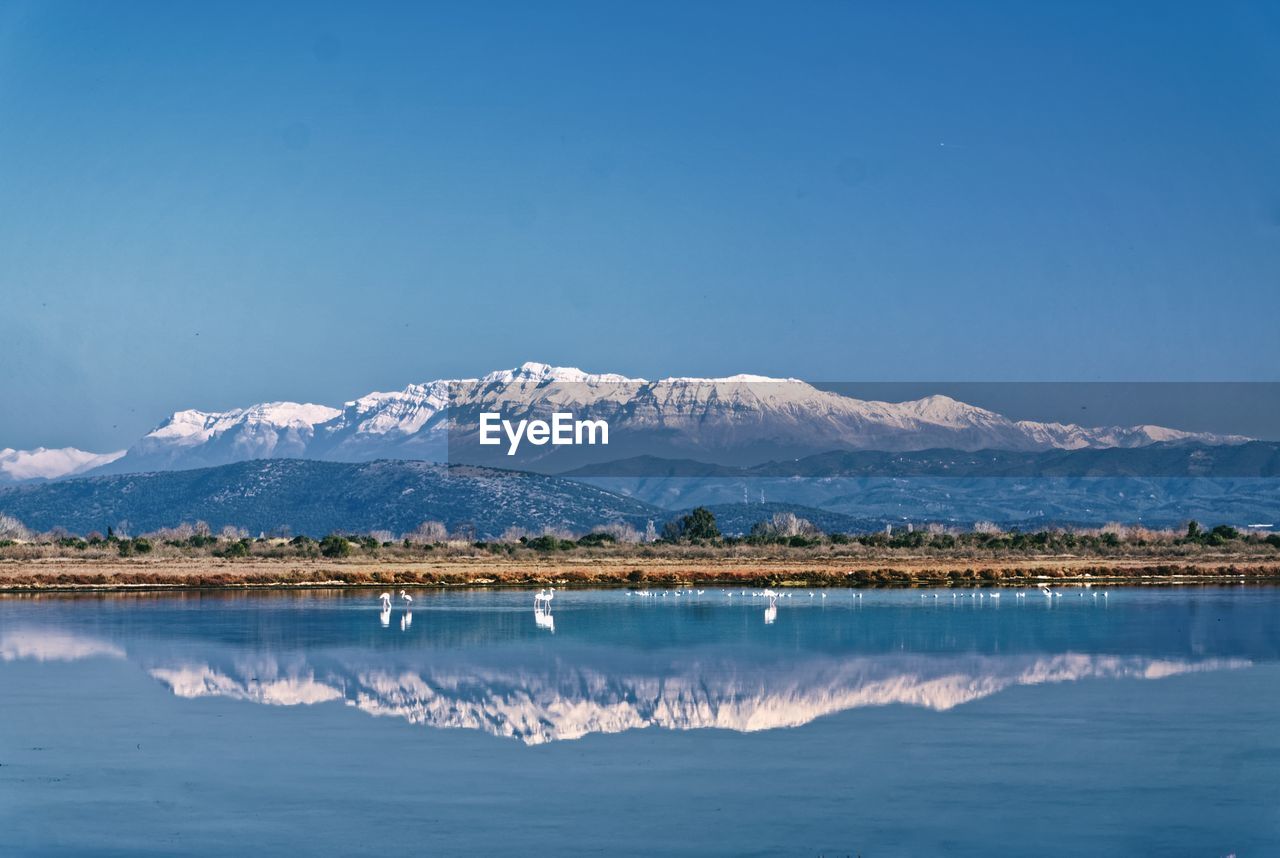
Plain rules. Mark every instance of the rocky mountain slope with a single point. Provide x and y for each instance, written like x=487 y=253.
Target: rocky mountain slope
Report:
x=741 y=419
x=315 y=498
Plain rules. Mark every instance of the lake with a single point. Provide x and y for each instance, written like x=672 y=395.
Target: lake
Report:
x=873 y=722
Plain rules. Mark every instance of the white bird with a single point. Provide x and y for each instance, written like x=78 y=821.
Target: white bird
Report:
x=385 y=598
x=408 y=600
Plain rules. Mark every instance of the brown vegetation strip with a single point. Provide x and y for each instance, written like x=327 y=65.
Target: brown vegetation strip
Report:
x=614 y=571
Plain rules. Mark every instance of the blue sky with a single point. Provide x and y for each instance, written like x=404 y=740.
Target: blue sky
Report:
x=208 y=205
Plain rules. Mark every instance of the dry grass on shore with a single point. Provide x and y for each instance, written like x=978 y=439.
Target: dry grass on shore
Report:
x=618 y=570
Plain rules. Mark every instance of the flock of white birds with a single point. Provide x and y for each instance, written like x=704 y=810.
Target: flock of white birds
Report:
x=543 y=618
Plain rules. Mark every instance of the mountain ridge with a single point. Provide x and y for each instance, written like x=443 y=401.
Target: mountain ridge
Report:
x=738 y=419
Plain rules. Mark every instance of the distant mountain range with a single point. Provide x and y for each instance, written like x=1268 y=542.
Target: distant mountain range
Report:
x=738 y=420
x=1250 y=459
x=1159 y=485
x=304 y=497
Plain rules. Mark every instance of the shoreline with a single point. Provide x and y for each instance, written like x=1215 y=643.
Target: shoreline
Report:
x=58 y=574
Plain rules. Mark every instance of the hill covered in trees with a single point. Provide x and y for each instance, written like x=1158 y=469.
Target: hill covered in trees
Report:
x=295 y=496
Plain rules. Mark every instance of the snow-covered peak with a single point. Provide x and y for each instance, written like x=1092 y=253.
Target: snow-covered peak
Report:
x=740 y=378
x=945 y=411
x=434 y=394
x=45 y=464
x=196 y=427
x=537 y=373
x=193 y=438
x=399 y=411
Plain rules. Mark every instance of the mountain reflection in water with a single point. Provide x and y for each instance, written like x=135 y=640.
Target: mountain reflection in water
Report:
x=563 y=701
x=478 y=661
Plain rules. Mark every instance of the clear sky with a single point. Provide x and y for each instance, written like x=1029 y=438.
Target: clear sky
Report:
x=214 y=204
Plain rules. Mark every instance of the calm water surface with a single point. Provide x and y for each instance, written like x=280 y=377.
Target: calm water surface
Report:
x=1136 y=722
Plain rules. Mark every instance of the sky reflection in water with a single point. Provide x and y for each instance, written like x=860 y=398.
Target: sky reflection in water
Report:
x=847 y=669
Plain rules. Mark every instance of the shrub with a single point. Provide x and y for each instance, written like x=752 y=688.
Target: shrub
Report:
x=239 y=548
x=334 y=545
x=550 y=542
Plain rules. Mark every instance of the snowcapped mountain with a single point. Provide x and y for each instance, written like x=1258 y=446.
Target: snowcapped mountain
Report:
x=197 y=439
x=45 y=464
x=402 y=424
x=740 y=419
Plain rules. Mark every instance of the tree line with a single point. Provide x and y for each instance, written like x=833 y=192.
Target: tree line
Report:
x=698 y=527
